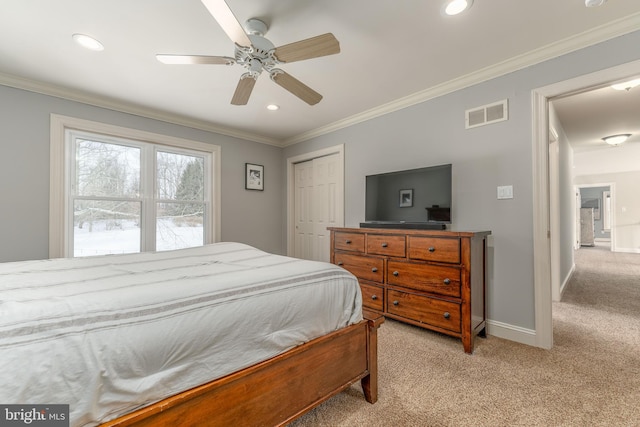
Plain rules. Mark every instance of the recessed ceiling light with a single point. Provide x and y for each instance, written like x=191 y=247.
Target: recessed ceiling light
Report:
x=626 y=85
x=273 y=107
x=88 y=42
x=616 y=139
x=454 y=7
x=594 y=3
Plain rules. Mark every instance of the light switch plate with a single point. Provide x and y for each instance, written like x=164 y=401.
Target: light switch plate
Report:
x=505 y=192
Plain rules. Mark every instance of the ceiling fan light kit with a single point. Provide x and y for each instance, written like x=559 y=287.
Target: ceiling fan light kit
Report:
x=257 y=54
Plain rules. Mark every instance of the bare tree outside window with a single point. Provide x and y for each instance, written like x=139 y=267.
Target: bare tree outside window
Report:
x=180 y=207
x=109 y=201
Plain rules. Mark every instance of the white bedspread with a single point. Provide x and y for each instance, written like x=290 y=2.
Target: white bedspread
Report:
x=112 y=333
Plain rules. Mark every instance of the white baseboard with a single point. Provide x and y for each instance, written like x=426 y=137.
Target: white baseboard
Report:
x=511 y=332
x=566 y=280
x=628 y=250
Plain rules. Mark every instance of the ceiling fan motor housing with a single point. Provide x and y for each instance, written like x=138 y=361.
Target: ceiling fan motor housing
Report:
x=257 y=57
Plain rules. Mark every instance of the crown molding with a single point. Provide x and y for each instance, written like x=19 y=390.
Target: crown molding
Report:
x=127 y=107
x=585 y=39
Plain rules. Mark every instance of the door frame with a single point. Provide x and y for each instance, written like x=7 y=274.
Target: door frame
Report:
x=542 y=235
x=291 y=188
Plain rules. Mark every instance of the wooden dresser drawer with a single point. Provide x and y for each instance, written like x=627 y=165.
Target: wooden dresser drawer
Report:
x=363 y=267
x=349 y=242
x=440 y=249
x=424 y=277
x=372 y=296
x=389 y=245
x=420 y=308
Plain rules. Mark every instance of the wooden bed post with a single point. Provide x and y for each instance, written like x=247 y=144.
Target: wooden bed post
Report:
x=370 y=382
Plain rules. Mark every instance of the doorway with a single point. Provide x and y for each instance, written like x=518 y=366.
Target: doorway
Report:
x=543 y=208
x=595 y=206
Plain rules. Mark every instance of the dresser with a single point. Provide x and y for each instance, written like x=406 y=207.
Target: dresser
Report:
x=434 y=279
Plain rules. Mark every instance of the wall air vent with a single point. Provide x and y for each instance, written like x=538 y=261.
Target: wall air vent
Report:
x=487 y=114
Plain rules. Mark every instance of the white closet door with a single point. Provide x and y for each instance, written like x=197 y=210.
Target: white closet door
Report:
x=303 y=209
x=328 y=202
x=318 y=205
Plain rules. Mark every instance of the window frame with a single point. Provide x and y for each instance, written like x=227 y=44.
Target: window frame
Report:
x=60 y=161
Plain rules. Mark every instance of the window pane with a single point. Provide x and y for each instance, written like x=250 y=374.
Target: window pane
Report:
x=179 y=225
x=105 y=227
x=108 y=170
x=179 y=177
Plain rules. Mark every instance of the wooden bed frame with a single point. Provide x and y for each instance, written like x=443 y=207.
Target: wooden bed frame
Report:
x=277 y=391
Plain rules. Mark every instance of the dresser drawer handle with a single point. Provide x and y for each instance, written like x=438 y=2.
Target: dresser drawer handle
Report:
x=374 y=297
x=340 y=263
x=432 y=249
x=374 y=270
x=395 y=273
x=384 y=245
x=447 y=281
x=396 y=302
x=446 y=315
x=348 y=242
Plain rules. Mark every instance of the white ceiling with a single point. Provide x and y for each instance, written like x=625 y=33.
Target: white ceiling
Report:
x=393 y=54
x=590 y=116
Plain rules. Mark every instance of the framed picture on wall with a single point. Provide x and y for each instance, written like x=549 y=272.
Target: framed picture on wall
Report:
x=406 y=198
x=254 y=177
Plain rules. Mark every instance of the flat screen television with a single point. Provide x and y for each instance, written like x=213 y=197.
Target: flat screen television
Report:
x=414 y=198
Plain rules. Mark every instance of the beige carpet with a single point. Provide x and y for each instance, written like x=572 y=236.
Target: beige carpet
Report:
x=590 y=378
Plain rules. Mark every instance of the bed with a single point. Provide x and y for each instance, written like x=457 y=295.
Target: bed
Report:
x=223 y=334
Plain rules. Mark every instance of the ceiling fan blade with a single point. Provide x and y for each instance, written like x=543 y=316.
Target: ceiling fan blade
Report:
x=227 y=20
x=195 y=59
x=296 y=87
x=243 y=90
x=323 y=45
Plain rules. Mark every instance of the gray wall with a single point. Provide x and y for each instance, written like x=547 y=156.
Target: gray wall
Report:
x=252 y=217
x=483 y=158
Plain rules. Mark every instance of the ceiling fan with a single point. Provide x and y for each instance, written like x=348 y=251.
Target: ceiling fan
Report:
x=257 y=54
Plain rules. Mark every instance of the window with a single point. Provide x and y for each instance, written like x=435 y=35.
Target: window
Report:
x=124 y=191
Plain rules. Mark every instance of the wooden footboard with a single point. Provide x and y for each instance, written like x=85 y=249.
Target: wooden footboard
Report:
x=276 y=391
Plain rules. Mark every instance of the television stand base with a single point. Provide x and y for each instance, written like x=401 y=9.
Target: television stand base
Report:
x=404 y=225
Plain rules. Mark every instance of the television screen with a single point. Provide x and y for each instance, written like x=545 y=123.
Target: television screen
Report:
x=411 y=196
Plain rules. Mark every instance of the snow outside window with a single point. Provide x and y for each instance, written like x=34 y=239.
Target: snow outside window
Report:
x=128 y=196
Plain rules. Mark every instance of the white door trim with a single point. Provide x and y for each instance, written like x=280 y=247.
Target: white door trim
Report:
x=541 y=207
x=291 y=161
